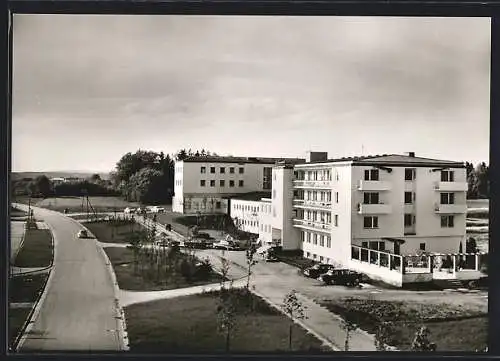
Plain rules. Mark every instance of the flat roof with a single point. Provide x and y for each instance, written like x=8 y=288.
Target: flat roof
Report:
x=252 y=196
x=242 y=160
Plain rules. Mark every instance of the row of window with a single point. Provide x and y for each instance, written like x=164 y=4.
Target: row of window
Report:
x=409 y=219
x=265 y=228
x=374 y=198
x=314 y=175
x=246 y=207
x=316 y=257
x=322 y=196
x=222 y=183
x=222 y=170
x=321 y=217
x=315 y=239
x=251 y=223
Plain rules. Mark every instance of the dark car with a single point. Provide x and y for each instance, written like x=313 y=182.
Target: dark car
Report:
x=343 y=277
x=271 y=257
x=317 y=270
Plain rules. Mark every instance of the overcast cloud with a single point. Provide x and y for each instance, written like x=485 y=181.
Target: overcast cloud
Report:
x=88 y=89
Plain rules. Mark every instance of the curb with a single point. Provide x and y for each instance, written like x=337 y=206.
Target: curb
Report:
x=326 y=342
x=28 y=325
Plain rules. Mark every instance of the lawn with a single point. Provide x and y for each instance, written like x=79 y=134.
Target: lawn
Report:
x=452 y=328
x=189 y=325
x=26 y=288
x=14 y=212
x=113 y=231
x=74 y=204
x=37 y=249
x=17 y=317
x=148 y=276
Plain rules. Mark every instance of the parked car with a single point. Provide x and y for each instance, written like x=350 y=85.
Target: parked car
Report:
x=83 y=234
x=226 y=245
x=344 y=277
x=198 y=243
x=271 y=257
x=157 y=209
x=129 y=210
x=317 y=270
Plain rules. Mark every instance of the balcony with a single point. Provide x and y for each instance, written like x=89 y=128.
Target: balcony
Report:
x=451 y=186
x=312 y=225
x=303 y=203
x=365 y=185
x=374 y=208
x=450 y=208
x=324 y=184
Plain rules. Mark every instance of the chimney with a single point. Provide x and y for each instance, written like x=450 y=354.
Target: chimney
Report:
x=410 y=154
x=316 y=156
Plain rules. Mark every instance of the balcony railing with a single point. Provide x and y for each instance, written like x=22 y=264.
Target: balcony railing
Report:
x=379 y=208
x=313 y=204
x=451 y=186
x=313 y=183
x=366 y=185
x=450 y=208
x=312 y=224
x=382 y=259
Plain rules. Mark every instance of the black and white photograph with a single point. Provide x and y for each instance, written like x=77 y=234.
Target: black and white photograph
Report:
x=209 y=184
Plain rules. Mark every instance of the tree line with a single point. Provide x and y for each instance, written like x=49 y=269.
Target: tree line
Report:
x=477 y=181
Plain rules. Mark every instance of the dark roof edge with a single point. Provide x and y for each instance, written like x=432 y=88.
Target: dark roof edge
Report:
x=410 y=164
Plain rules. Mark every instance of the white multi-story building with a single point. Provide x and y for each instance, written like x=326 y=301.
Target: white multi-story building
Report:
x=205 y=184
x=401 y=204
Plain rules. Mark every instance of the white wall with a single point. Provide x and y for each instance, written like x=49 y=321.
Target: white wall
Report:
x=265 y=222
x=246 y=215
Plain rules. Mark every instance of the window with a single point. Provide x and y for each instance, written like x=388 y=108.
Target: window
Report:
x=377 y=245
x=408 y=197
x=321 y=258
x=364 y=244
x=410 y=174
x=222 y=170
x=409 y=220
x=329 y=197
x=231 y=170
x=217 y=205
x=447 y=198
x=422 y=246
x=241 y=170
x=203 y=169
x=231 y=183
x=267 y=178
x=447 y=221
x=308 y=237
x=212 y=170
x=370 y=222
x=447 y=176
x=328 y=242
x=371 y=175
x=308 y=254
x=337 y=177
x=202 y=183
x=370 y=198
x=321 y=241
x=336 y=197
x=336 y=220
x=222 y=182
x=212 y=183
x=240 y=183
x=315 y=239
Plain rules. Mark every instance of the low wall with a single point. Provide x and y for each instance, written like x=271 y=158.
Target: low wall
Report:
x=378 y=273
x=417 y=277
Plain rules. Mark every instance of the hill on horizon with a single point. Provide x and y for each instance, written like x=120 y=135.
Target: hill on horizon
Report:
x=58 y=174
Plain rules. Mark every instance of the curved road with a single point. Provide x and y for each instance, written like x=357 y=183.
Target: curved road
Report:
x=78 y=310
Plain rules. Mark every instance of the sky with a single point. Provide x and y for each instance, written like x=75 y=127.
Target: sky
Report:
x=89 y=88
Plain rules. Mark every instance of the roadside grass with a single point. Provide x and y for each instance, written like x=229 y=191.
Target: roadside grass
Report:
x=37 y=249
x=26 y=288
x=75 y=205
x=188 y=324
x=14 y=212
x=146 y=278
x=452 y=328
x=113 y=231
x=17 y=318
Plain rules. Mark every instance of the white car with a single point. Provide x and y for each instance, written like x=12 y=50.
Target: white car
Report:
x=157 y=209
x=129 y=210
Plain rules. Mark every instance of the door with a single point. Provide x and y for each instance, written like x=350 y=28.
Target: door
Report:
x=397 y=248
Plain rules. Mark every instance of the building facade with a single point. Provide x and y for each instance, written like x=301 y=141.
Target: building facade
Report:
x=205 y=184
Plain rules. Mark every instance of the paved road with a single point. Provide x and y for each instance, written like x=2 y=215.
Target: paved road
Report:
x=78 y=312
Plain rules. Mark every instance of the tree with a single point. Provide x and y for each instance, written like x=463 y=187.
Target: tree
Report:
x=181 y=154
x=95 y=178
x=146 y=184
x=348 y=326
x=294 y=309
x=226 y=313
x=136 y=240
x=41 y=185
x=251 y=261
x=421 y=341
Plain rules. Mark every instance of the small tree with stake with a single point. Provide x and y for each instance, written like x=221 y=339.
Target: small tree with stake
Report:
x=226 y=314
x=294 y=309
x=348 y=326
